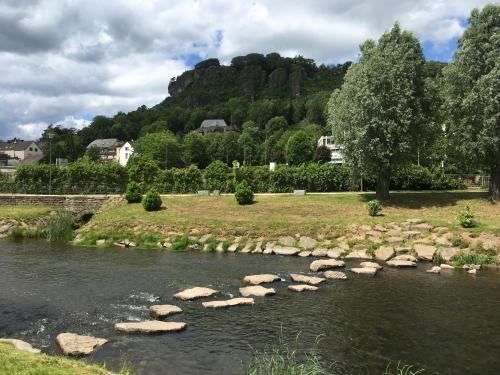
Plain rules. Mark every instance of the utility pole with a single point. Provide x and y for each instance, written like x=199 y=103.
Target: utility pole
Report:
x=50 y=135
x=166 y=156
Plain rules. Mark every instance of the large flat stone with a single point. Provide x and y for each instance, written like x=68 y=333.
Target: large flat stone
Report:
x=228 y=303
x=260 y=279
x=286 y=250
x=435 y=269
x=406 y=257
x=21 y=345
x=194 y=293
x=321 y=252
x=358 y=254
x=287 y=241
x=425 y=252
x=307 y=242
x=325 y=264
x=150 y=326
x=335 y=275
x=364 y=270
x=401 y=263
x=336 y=252
x=78 y=345
x=384 y=253
x=256 y=291
x=305 y=253
x=306 y=279
x=370 y=265
x=161 y=311
x=302 y=288
x=448 y=252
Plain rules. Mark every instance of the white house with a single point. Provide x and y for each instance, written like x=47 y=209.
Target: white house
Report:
x=335 y=150
x=124 y=154
x=27 y=151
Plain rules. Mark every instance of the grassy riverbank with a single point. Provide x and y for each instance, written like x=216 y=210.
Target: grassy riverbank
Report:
x=24 y=213
x=17 y=362
x=275 y=215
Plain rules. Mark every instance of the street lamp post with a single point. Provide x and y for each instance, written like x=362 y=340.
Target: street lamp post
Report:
x=50 y=135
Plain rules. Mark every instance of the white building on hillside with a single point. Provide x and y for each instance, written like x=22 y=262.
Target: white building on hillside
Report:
x=27 y=151
x=335 y=150
x=124 y=155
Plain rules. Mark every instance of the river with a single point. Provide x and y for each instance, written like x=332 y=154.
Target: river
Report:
x=447 y=324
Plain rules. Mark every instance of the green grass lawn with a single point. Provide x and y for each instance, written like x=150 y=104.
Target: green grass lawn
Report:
x=17 y=362
x=27 y=213
x=274 y=215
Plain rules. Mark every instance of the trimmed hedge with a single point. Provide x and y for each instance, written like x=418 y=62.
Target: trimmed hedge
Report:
x=85 y=177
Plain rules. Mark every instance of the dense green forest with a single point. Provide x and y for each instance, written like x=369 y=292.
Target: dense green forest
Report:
x=270 y=98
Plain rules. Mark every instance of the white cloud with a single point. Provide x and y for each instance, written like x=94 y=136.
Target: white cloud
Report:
x=61 y=58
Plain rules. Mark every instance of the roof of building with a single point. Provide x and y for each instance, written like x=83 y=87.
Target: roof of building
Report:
x=213 y=123
x=15 y=145
x=106 y=143
x=32 y=159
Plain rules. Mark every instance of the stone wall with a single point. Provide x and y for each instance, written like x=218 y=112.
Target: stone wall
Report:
x=78 y=204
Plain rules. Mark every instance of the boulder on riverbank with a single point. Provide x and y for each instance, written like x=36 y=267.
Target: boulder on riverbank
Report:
x=161 y=311
x=261 y=279
x=286 y=250
x=424 y=252
x=358 y=254
x=307 y=242
x=78 y=345
x=228 y=303
x=324 y=264
x=384 y=253
x=435 y=269
x=194 y=293
x=150 y=326
x=21 y=345
x=256 y=291
x=302 y=287
x=306 y=279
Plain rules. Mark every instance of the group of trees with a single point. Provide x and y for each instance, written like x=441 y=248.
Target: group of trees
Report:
x=387 y=111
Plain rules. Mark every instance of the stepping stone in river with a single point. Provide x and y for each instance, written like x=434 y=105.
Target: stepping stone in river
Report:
x=150 y=326
x=370 y=265
x=306 y=279
x=161 y=311
x=446 y=266
x=305 y=253
x=21 y=345
x=324 y=264
x=257 y=291
x=193 y=293
x=336 y=275
x=229 y=303
x=364 y=270
x=260 y=279
x=78 y=345
x=358 y=254
x=302 y=288
x=320 y=252
x=435 y=269
x=401 y=263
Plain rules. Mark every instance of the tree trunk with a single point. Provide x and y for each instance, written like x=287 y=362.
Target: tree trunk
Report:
x=495 y=183
x=383 y=180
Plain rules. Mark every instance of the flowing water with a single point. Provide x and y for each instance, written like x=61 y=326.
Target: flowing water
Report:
x=447 y=324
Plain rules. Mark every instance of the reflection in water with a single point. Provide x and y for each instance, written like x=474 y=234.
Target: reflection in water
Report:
x=445 y=323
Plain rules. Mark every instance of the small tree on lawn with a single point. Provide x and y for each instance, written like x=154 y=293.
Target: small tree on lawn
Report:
x=299 y=148
x=472 y=94
x=378 y=108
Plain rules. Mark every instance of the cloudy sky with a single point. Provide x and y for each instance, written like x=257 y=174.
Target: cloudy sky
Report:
x=65 y=61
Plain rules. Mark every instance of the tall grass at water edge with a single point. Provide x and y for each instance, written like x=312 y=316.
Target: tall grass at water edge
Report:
x=60 y=227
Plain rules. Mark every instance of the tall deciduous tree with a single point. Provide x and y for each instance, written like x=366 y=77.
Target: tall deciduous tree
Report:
x=195 y=149
x=375 y=113
x=162 y=147
x=472 y=94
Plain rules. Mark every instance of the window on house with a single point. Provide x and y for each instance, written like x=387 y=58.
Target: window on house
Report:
x=31 y=148
x=126 y=156
x=126 y=148
x=36 y=150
